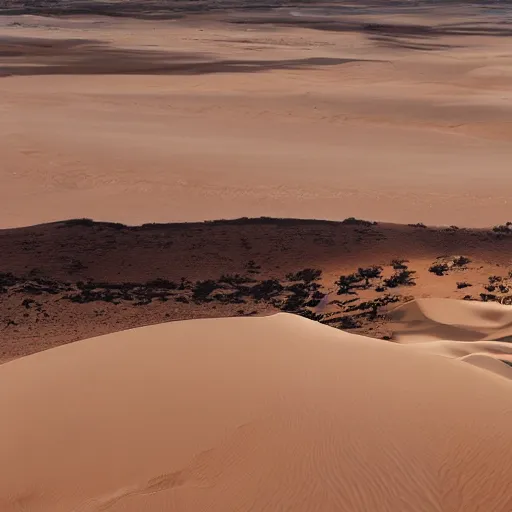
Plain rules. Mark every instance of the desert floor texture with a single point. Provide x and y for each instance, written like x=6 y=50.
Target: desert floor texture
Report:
x=387 y=112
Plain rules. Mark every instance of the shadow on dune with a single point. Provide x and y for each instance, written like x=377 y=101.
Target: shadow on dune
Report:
x=172 y=9
x=385 y=29
x=395 y=35
x=87 y=57
x=145 y=9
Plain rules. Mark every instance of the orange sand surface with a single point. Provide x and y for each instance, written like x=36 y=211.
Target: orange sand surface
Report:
x=282 y=113
x=273 y=413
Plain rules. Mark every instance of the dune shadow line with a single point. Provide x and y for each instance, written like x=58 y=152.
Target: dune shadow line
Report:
x=25 y=56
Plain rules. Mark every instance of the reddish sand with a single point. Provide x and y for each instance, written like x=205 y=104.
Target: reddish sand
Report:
x=178 y=120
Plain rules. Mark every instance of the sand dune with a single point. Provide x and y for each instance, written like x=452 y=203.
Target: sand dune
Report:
x=448 y=319
x=275 y=413
x=473 y=332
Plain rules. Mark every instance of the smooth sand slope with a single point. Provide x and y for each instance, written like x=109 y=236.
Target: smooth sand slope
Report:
x=474 y=332
x=251 y=414
x=286 y=112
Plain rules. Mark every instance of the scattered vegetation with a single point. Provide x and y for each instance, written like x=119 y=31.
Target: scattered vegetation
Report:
x=401 y=278
x=439 y=269
x=203 y=289
x=503 y=228
x=503 y=288
x=307 y=275
x=235 y=279
x=352 y=221
x=444 y=265
x=346 y=283
x=369 y=273
x=89 y=223
x=266 y=290
x=460 y=261
x=463 y=284
x=399 y=264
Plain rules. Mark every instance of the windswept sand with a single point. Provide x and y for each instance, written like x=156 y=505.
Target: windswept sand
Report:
x=275 y=413
x=303 y=111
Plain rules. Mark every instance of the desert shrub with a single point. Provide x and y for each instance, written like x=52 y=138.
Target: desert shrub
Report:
x=503 y=288
x=417 y=225
x=399 y=264
x=503 y=228
x=487 y=297
x=490 y=287
x=494 y=279
x=79 y=222
x=230 y=298
x=345 y=283
x=294 y=303
x=439 y=269
x=266 y=289
x=306 y=313
x=463 y=284
x=461 y=261
x=369 y=273
x=88 y=295
x=235 y=279
x=400 y=278
x=298 y=289
x=347 y=322
x=184 y=284
x=8 y=279
x=371 y=307
x=162 y=283
x=203 y=289
x=307 y=275
x=352 y=221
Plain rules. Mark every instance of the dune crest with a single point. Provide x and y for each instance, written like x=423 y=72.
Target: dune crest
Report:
x=449 y=319
x=253 y=414
x=472 y=332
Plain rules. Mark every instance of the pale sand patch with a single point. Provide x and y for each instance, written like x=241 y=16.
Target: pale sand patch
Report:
x=254 y=414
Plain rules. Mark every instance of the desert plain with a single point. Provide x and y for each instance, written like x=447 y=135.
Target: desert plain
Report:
x=395 y=113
